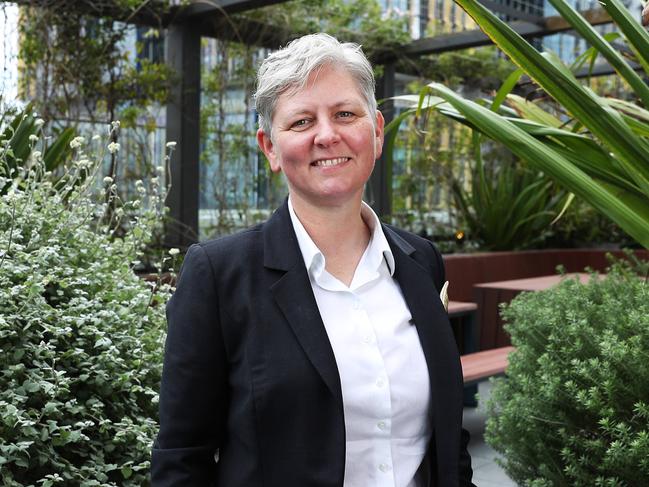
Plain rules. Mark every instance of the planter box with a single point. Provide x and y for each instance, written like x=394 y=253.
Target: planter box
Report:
x=463 y=271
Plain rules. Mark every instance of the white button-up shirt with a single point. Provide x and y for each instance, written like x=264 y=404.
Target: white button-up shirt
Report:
x=383 y=372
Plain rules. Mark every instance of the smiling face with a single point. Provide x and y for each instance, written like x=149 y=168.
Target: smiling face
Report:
x=324 y=139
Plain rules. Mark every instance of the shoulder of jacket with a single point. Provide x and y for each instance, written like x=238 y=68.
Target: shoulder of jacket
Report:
x=236 y=242
x=419 y=243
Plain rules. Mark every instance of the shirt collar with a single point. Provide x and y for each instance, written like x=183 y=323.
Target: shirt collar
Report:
x=313 y=258
x=377 y=250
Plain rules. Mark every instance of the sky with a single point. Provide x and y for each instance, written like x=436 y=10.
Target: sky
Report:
x=8 y=51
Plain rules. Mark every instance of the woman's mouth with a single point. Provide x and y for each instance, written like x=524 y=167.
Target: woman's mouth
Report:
x=330 y=162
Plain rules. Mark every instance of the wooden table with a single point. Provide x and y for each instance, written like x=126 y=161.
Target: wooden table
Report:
x=489 y=295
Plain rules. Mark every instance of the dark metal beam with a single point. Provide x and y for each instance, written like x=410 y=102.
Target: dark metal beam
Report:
x=155 y=13
x=183 y=127
x=202 y=8
x=474 y=38
x=248 y=32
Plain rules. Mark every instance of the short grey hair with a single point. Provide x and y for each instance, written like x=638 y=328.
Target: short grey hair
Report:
x=288 y=70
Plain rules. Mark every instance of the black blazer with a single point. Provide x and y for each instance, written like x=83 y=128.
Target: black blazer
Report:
x=249 y=370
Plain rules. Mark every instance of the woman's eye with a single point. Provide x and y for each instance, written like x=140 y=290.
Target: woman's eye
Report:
x=299 y=123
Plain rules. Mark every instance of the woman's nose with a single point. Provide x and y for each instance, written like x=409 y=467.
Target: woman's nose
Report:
x=326 y=133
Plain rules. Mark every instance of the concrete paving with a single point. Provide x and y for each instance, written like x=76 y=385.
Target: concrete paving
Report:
x=486 y=472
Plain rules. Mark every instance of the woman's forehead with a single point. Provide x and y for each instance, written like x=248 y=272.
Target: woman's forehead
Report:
x=333 y=88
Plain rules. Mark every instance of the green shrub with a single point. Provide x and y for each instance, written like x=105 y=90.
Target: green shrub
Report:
x=574 y=408
x=81 y=335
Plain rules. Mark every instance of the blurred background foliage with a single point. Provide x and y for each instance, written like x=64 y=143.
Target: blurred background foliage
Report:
x=434 y=192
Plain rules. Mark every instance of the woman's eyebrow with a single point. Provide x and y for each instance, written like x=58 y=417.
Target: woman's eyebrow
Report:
x=298 y=112
x=345 y=102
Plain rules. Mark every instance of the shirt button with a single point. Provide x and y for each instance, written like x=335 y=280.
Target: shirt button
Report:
x=384 y=467
x=380 y=382
x=382 y=425
x=357 y=304
x=367 y=339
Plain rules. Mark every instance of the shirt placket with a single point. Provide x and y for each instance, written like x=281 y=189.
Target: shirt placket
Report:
x=379 y=420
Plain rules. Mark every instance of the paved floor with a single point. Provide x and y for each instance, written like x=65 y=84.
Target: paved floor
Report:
x=486 y=472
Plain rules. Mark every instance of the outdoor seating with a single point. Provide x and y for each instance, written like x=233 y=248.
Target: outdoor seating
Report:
x=479 y=366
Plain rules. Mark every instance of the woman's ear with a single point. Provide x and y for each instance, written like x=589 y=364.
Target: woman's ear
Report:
x=378 y=134
x=268 y=148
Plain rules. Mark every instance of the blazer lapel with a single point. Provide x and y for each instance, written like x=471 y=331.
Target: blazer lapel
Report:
x=428 y=315
x=293 y=293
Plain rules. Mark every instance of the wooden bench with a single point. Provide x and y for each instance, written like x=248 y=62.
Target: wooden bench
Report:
x=479 y=366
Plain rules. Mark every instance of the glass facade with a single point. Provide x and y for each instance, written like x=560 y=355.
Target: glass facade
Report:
x=237 y=188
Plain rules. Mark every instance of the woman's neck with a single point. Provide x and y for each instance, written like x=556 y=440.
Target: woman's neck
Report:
x=339 y=232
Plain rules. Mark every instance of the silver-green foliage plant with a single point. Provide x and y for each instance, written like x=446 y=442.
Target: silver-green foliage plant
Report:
x=574 y=408
x=80 y=334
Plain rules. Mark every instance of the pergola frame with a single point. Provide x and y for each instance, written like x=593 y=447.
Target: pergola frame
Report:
x=206 y=18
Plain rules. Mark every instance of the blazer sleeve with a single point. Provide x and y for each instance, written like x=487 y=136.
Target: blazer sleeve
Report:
x=464 y=464
x=193 y=390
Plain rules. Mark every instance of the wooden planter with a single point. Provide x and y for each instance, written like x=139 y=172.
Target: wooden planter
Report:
x=463 y=271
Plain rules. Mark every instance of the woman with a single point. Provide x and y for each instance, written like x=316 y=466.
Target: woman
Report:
x=313 y=349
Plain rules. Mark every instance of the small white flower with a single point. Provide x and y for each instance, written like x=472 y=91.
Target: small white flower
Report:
x=33 y=138
x=108 y=180
x=155 y=180
x=160 y=169
x=36 y=155
x=39 y=122
x=96 y=137
x=171 y=145
x=84 y=163
x=174 y=251
x=76 y=142
x=113 y=147
x=139 y=183
x=114 y=125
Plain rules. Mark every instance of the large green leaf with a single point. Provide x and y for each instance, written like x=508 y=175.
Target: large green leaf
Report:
x=598 y=41
x=19 y=133
x=606 y=124
x=532 y=111
x=57 y=153
x=506 y=88
x=636 y=36
x=581 y=150
x=628 y=108
x=552 y=162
